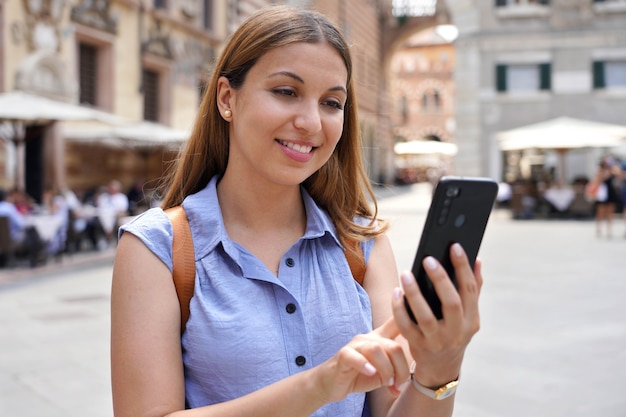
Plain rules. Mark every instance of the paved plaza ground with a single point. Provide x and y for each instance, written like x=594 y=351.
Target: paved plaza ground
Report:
x=552 y=342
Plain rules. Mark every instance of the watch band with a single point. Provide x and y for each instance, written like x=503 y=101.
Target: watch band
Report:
x=440 y=393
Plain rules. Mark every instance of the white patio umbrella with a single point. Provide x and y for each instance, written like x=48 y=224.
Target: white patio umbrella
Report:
x=425 y=147
x=133 y=135
x=562 y=134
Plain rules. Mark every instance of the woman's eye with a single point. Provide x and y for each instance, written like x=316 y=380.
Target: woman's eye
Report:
x=334 y=104
x=284 y=92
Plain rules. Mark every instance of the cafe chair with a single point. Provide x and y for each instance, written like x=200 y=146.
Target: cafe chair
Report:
x=7 y=246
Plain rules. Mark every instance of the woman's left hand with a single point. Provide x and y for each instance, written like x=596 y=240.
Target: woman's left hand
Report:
x=438 y=346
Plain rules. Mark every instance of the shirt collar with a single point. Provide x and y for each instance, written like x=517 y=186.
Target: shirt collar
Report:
x=207 y=223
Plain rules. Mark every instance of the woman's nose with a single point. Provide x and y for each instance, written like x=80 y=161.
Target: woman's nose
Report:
x=308 y=118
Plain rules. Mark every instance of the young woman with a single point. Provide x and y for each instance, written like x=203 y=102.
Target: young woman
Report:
x=273 y=186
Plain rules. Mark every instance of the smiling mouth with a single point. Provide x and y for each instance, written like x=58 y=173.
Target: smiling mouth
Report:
x=295 y=147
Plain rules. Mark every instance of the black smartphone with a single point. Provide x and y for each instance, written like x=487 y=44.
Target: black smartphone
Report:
x=459 y=211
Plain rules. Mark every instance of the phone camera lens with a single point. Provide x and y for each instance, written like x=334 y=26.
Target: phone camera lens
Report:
x=452 y=192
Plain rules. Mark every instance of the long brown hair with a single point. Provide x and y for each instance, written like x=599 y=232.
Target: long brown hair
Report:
x=340 y=185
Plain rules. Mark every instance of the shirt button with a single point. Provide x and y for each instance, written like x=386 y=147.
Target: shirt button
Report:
x=300 y=360
x=290 y=262
x=291 y=308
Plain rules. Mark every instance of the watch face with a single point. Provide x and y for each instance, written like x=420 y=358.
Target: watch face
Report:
x=446 y=391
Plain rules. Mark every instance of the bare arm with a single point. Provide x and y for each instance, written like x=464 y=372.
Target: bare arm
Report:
x=146 y=358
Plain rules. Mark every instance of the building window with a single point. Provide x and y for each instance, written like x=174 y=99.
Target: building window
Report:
x=151 y=95
x=609 y=6
x=609 y=74
x=404 y=109
x=431 y=101
x=208 y=14
x=522 y=8
x=523 y=77
x=505 y=3
x=88 y=73
x=436 y=100
x=94 y=67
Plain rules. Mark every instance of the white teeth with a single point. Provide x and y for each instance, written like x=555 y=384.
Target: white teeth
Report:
x=296 y=147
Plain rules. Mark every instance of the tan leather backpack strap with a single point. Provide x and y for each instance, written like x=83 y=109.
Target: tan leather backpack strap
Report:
x=183 y=261
x=356 y=262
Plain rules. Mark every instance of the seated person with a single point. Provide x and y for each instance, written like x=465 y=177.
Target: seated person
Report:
x=26 y=241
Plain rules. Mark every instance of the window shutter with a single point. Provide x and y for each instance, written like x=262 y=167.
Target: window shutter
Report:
x=501 y=77
x=151 y=99
x=545 y=76
x=208 y=14
x=598 y=74
x=88 y=74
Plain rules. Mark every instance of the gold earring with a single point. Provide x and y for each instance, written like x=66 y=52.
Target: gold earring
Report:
x=227 y=113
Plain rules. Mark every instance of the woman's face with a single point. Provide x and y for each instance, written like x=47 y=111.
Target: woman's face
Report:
x=287 y=117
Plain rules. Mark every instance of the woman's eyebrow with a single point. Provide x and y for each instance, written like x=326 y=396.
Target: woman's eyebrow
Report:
x=299 y=79
x=288 y=74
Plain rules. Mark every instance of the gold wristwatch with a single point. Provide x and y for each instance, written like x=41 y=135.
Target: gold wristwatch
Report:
x=440 y=393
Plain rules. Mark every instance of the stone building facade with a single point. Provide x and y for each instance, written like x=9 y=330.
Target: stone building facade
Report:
x=521 y=62
x=132 y=59
x=422 y=86
x=146 y=60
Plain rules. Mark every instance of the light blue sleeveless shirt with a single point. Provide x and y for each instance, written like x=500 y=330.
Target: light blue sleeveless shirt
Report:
x=248 y=328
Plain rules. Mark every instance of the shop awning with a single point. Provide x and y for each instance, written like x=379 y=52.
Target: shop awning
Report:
x=17 y=106
x=425 y=147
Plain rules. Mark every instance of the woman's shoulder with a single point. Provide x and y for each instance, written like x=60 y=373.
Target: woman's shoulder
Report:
x=154 y=229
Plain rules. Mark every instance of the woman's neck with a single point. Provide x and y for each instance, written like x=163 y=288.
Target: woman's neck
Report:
x=261 y=207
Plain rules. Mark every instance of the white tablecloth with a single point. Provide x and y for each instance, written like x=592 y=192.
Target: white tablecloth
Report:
x=560 y=198
x=45 y=224
x=106 y=216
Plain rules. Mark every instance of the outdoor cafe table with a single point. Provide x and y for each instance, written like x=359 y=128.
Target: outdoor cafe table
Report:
x=560 y=198
x=46 y=225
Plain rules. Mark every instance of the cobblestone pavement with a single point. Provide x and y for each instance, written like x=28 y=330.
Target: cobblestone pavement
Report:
x=552 y=342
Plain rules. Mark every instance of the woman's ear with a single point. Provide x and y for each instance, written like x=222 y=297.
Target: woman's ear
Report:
x=224 y=96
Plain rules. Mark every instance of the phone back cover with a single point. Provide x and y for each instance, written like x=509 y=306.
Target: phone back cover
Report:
x=458 y=218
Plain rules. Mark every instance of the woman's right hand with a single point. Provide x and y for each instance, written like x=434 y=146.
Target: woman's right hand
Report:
x=368 y=362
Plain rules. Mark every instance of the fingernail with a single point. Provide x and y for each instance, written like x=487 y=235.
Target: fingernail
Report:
x=397 y=294
x=406 y=278
x=391 y=382
x=430 y=263
x=369 y=369
x=457 y=249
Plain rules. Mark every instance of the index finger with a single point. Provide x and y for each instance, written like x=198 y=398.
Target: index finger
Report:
x=388 y=329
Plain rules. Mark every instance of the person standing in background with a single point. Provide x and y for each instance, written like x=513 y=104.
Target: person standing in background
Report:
x=623 y=165
x=609 y=194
